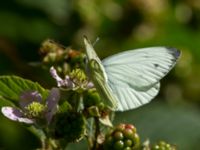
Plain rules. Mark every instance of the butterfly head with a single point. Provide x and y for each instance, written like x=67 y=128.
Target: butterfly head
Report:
x=90 y=52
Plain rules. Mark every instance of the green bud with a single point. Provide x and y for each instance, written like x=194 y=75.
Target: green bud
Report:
x=91 y=98
x=50 y=58
x=53 y=52
x=49 y=46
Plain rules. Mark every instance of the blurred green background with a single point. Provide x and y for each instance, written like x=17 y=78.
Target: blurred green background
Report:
x=173 y=116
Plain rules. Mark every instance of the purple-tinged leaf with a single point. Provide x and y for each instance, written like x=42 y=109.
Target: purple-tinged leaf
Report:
x=52 y=102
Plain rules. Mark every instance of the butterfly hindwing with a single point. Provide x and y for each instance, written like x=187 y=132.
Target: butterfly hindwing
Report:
x=129 y=98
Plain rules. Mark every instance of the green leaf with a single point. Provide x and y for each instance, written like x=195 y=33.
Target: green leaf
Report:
x=4 y=102
x=12 y=86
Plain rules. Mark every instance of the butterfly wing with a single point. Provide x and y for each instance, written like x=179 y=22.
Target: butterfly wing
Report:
x=134 y=75
x=99 y=77
x=129 y=98
x=101 y=85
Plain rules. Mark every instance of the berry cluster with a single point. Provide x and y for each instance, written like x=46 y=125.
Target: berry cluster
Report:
x=69 y=126
x=122 y=137
x=163 y=146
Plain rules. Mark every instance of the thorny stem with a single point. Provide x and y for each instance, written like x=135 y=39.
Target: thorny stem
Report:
x=47 y=143
x=40 y=134
x=97 y=132
x=80 y=103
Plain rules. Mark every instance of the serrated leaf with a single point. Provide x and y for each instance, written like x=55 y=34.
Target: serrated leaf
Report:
x=12 y=86
x=4 y=102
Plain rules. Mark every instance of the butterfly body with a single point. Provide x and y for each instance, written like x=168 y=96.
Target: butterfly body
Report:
x=131 y=78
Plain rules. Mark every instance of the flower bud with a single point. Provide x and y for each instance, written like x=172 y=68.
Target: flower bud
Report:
x=91 y=98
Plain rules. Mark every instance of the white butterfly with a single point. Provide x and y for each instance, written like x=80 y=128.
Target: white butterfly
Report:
x=130 y=79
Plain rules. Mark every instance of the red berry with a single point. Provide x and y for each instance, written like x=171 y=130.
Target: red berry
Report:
x=120 y=127
x=128 y=133
x=130 y=126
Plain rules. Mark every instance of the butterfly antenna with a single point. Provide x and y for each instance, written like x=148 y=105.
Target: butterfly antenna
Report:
x=95 y=42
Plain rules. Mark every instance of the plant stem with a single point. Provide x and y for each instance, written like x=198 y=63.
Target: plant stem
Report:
x=97 y=132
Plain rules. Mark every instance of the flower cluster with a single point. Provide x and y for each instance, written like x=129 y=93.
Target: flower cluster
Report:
x=75 y=80
x=32 y=109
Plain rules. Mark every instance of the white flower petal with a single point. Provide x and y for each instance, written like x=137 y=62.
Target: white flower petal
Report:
x=55 y=75
x=60 y=82
x=15 y=115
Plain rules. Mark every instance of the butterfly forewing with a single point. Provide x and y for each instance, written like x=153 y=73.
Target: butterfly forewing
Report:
x=140 y=68
x=102 y=87
x=134 y=75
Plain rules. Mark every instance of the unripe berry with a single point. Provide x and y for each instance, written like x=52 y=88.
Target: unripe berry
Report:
x=120 y=127
x=163 y=146
x=118 y=135
x=119 y=145
x=122 y=137
x=128 y=142
x=69 y=126
x=127 y=148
